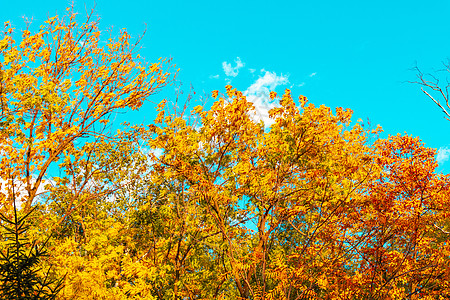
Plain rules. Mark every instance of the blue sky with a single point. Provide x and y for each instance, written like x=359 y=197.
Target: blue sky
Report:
x=353 y=54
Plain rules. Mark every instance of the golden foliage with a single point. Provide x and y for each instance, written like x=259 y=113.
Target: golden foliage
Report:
x=225 y=208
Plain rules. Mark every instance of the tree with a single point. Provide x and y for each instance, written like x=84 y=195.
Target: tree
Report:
x=333 y=216
x=226 y=209
x=432 y=87
x=297 y=177
x=211 y=204
x=58 y=87
x=19 y=266
x=401 y=221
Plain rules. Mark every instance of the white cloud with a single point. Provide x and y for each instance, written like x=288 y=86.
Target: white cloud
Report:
x=214 y=76
x=232 y=71
x=443 y=155
x=313 y=74
x=157 y=152
x=258 y=94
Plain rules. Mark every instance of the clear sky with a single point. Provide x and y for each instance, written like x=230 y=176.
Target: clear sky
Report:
x=353 y=54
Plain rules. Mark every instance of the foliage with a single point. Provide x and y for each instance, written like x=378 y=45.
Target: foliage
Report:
x=211 y=205
x=58 y=88
x=19 y=273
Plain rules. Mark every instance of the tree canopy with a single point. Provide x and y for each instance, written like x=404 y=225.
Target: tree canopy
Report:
x=208 y=203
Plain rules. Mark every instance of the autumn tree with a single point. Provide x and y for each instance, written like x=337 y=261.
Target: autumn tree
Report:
x=226 y=208
x=403 y=219
x=296 y=205
x=297 y=177
x=58 y=87
x=208 y=203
